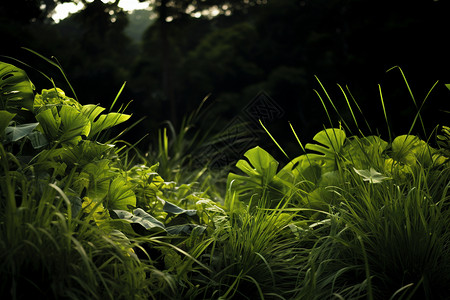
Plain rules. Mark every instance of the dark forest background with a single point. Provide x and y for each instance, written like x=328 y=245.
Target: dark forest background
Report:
x=276 y=47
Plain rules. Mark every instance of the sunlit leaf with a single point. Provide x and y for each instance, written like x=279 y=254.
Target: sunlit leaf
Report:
x=329 y=144
x=371 y=175
x=141 y=218
x=15 y=133
x=16 y=89
x=120 y=195
x=106 y=121
x=5 y=118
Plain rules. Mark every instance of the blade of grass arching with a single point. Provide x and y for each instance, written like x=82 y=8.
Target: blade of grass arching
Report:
x=324 y=107
x=156 y=241
x=117 y=96
x=332 y=104
x=298 y=140
x=231 y=288
x=260 y=292
x=57 y=65
x=128 y=147
x=28 y=66
x=350 y=108
x=411 y=94
x=359 y=109
x=385 y=114
x=196 y=113
x=126 y=130
x=268 y=267
x=273 y=139
x=401 y=292
x=65 y=77
x=66 y=200
x=418 y=115
x=104 y=134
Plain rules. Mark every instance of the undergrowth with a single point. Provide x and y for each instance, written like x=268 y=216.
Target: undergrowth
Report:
x=86 y=215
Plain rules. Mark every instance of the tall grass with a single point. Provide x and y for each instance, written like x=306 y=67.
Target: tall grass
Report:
x=48 y=252
x=360 y=218
x=255 y=255
x=386 y=239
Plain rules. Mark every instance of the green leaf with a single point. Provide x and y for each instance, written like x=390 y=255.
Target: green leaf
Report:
x=329 y=144
x=67 y=125
x=74 y=125
x=106 y=121
x=87 y=152
x=16 y=89
x=98 y=178
x=261 y=169
x=371 y=175
x=38 y=139
x=140 y=217
x=49 y=123
x=263 y=163
x=91 y=111
x=120 y=195
x=409 y=149
x=176 y=210
x=15 y=133
x=5 y=118
x=365 y=152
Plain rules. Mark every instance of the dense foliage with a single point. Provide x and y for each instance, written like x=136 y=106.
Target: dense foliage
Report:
x=85 y=215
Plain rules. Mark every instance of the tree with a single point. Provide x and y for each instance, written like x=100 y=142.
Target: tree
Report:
x=170 y=10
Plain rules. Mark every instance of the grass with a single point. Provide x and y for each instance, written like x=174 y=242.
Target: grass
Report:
x=47 y=252
x=352 y=217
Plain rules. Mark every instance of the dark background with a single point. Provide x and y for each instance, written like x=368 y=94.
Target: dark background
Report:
x=276 y=47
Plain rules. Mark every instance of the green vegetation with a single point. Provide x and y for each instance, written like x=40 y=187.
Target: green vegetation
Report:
x=85 y=215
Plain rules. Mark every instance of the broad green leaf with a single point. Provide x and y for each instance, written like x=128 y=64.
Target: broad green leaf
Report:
x=5 y=118
x=91 y=111
x=95 y=210
x=16 y=89
x=120 y=195
x=262 y=162
x=176 y=210
x=300 y=169
x=371 y=175
x=329 y=144
x=366 y=152
x=139 y=216
x=38 y=139
x=409 y=148
x=49 y=123
x=66 y=125
x=15 y=133
x=87 y=152
x=98 y=176
x=261 y=169
x=140 y=213
x=106 y=121
x=74 y=125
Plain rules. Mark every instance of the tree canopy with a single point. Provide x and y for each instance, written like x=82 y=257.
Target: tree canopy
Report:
x=235 y=49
